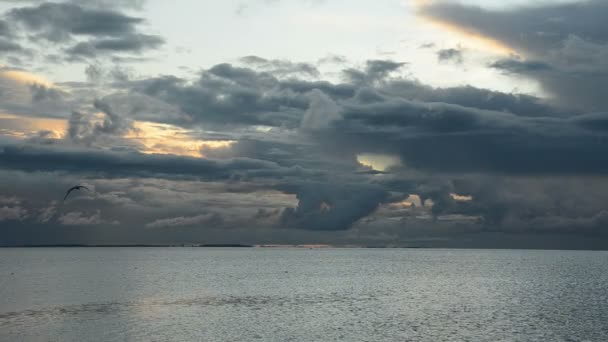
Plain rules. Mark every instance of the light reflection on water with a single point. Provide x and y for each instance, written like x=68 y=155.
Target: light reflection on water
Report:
x=190 y=294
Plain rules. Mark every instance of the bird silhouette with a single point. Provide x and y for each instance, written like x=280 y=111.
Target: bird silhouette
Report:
x=77 y=187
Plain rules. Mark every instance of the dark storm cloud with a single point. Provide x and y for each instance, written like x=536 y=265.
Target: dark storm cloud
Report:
x=565 y=44
x=325 y=206
x=308 y=152
x=450 y=55
x=550 y=204
x=121 y=164
x=452 y=138
x=459 y=129
x=468 y=96
x=284 y=153
x=230 y=95
x=576 y=85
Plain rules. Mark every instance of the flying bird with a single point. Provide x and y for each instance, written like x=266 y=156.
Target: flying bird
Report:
x=77 y=187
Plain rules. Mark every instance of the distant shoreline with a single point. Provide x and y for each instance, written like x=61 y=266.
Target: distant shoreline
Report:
x=123 y=246
x=317 y=247
x=265 y=246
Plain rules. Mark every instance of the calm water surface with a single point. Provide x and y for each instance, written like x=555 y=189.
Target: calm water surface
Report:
x=196 y=294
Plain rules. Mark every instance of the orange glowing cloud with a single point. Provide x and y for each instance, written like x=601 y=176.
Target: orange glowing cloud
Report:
x=154 y=138
x=23 y=126
x=25 y=77
x=410 y=201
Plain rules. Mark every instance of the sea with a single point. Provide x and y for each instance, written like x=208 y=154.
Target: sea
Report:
x=296 y=294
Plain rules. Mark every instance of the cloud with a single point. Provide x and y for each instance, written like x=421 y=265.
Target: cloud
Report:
x=375 y=70
x=48 y=213
x=564 y=45
x=281 y=67
x=16 y=213
x=80 y=30
x=7 y=46
x=517 y=66
x=230 y=95
x=534 y=28
x=244 y=7
x=459 y=129
x=135 y=43
x=321 y=113
x=208 y=219
x=59 y=22
x=551 y=204
x=41 y=93
x=81 y=219
x=133 y=4
x=5 y=200
x=331 y=206
x=291 y=166
x=33 y=158
x=113 y=123
x=88 y=129
x=450 y=55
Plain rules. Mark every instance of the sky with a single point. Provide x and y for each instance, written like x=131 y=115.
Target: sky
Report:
x=420 y=123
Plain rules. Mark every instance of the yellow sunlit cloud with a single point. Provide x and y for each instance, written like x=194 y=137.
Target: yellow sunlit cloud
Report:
x=461 y=198
x=378 y=162
x=168 y=139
